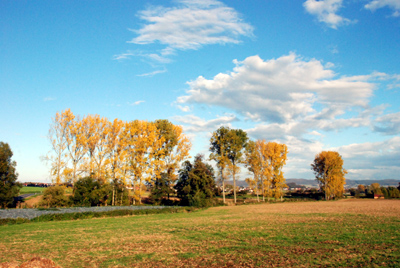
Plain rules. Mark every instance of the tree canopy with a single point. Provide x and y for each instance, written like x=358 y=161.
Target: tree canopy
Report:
x=227 y=148
x=329 y=172
x=9 y=187
x=196 y=185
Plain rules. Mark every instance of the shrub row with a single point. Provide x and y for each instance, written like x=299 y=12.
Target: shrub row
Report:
x=89 y=215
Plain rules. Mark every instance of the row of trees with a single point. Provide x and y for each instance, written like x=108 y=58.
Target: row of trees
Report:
x=231 y=147
x=134 y=152
x=375 y=189
x=139 y=152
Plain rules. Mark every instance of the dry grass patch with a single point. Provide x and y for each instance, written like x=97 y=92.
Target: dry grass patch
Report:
x=310 y=234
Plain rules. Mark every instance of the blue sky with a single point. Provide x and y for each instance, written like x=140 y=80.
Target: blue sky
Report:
x=315 y=75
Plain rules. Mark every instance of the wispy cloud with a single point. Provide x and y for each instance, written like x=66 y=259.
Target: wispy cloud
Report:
x=136 y=103
x=153 y=73
x=49 y=99
x=326 y=12
x=392 y=4
x=188 y=26
x=124 y=56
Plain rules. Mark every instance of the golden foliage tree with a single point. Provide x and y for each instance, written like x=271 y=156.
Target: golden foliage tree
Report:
x=57 y=157
x=277 y=154
x=254 y=165
x=175 y=147
x=76 y=142
x=142 y=145
x=329 y=171
x=266 y=161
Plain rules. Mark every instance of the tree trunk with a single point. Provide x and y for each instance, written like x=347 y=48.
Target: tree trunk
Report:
x=234 y=183
x=223 y=189
x=223 y=185
x=263 y=190
x=258 y=199
x=112 y=201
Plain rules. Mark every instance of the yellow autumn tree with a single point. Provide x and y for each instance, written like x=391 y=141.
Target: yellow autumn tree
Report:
x=254 y=165
x=266 y=161
x=95 y=130
x=261 y=150
x=76 y=149
x=277 y=159
x=142 y=145
x=330 y=174
x=57 y=158
x=174 y=149
x=116 y=151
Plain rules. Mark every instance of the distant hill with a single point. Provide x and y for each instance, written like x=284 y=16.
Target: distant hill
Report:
x=387 y=182
x=314 y=183
x=349 y=183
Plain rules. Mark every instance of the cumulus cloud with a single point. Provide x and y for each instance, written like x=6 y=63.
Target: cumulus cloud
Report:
x=388 y=124
x=187 y=26
x=392 y=4
x=281 y=90
x=191 y=25
x=326 y=12
x=372 y=160
x=194 y=124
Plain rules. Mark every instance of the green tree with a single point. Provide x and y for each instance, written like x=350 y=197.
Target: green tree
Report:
x=237 y=142
x=9 y=187
x=55 y=197
x=161 y=189
x=196 y=184
x=227 y=147
x=329 y=172
x=376 y=188
x=218 y=150
x=393 y=192
x=91 y=192
x=174 y=149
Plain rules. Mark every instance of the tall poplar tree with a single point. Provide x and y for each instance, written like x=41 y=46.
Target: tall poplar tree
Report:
x=57 y=157
x=218 y=150
x=227 y=147
x=329 y=172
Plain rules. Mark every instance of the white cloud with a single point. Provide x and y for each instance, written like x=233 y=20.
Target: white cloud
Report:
x=377 y=4
x=136 y=103
x=124 y=56
x=372 y=160
x=281 y=90
x=49 y=99
x=183 y=108
x=188 y=25
x=326 y=10
x=196 y=124
x=388 y=124
x=153 y=73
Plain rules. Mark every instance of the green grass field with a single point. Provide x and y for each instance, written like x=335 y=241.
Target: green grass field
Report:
x=31 y=190
x=347 y=233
